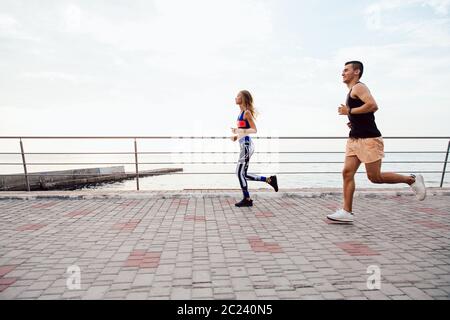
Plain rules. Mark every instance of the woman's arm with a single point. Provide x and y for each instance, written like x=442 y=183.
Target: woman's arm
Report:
x=245 y=132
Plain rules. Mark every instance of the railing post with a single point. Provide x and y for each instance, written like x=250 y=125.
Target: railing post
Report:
x=136 y=162
x=445 y=164
x=27 y=182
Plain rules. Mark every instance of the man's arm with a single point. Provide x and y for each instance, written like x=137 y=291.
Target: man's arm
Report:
x=363 y=93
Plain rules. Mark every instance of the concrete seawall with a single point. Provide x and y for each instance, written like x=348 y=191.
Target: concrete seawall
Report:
x=70 y=179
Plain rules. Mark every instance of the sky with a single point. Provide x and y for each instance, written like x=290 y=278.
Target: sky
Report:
x=174 y=67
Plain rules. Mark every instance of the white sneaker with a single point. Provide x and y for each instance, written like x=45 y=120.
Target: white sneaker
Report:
x=341 y=215
x=419 y=187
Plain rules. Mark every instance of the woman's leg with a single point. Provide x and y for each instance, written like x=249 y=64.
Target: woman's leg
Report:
x=241 y=169
x=272 y=180
x=253 y=177
x=250 y=148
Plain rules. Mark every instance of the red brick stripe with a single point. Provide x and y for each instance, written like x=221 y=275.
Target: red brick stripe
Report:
x=143 y=259
x=354 y=248
x=31 y=227
x=259 y=245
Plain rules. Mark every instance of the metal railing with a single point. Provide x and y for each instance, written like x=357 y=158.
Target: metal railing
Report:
x=136 y=154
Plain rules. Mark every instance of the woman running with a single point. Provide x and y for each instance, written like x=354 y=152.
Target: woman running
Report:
x=245 y=126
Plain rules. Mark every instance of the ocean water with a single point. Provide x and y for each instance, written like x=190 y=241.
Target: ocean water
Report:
x=218 y=168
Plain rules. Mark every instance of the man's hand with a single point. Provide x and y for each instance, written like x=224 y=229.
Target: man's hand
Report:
x=234 y=130
x=233 y=138
x=343 y=110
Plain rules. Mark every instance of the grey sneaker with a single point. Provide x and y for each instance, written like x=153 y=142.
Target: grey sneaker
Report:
x=342 y=216
x=419 y=188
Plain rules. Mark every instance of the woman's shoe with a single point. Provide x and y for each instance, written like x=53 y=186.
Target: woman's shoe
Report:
x=244 y=203
x=273 y=182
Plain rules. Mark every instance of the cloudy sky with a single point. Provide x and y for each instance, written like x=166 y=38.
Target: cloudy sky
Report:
x=104 y=67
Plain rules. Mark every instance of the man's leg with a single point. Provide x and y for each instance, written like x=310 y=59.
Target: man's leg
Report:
x=351 y=165
x=375 y=175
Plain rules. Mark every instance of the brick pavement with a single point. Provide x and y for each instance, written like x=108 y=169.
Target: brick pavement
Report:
x=198 y=245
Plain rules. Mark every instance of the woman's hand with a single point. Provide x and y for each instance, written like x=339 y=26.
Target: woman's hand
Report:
x=233 y=138
x=234 y=130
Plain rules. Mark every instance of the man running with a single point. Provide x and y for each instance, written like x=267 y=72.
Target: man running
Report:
x=365 y=143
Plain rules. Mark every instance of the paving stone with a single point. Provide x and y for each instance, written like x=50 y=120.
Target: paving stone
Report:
x=156 y=245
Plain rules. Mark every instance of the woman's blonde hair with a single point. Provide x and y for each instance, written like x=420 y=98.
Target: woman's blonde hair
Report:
x=247 y=101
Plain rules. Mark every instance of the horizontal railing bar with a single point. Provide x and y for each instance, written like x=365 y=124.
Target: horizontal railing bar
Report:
x=212 y=152
x=170 y=173
x=207 y=137
x=64 y=153
x=64 y=163
x=71 y=175
x=300 y=172
x=205 y=162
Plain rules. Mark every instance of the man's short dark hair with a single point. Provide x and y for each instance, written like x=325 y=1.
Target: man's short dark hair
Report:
x=357 y=65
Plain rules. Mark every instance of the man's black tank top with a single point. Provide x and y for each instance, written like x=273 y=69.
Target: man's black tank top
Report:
x=363 y=125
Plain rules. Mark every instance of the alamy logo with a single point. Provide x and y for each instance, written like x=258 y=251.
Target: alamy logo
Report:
x=374 y=280
x=74 y=280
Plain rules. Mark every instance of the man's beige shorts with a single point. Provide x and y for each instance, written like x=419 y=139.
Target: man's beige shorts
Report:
x=366 y=149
